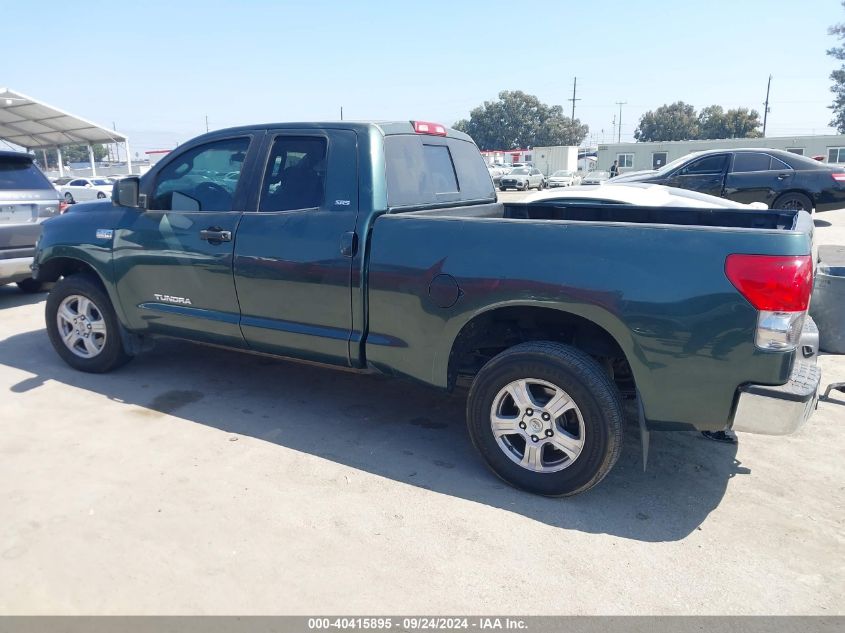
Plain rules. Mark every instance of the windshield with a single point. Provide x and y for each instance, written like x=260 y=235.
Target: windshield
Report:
x=101 y=181
x=562 y=174
x=520 y=171
x=675 y=163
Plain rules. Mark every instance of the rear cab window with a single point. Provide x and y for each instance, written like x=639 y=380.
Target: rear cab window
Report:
x=21 y=173
x=431 y=170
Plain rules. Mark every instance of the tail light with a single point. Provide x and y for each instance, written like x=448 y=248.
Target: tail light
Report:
x=426 y=127
x=838 y=176
x=779 y=288
x=63 y=206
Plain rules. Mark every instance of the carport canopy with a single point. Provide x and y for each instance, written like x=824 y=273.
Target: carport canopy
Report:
x=33 y=125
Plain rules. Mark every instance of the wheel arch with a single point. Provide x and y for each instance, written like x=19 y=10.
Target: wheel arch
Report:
x=53 y=268
x=500 y=327
x=811 y=196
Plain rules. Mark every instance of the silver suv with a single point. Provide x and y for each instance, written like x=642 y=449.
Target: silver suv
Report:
x=26 y=199
x=523 y=178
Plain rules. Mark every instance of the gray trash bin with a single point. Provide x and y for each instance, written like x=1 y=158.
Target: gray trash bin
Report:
x=827 y=307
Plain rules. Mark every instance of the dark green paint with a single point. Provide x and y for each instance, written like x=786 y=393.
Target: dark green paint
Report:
x=283 y=286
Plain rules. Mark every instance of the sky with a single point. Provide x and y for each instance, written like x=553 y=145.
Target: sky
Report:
x=156 y=69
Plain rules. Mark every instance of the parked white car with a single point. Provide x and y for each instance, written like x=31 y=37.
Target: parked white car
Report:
x=641 y=194
x=563 y=178
x=82 y=189
x=595 y=177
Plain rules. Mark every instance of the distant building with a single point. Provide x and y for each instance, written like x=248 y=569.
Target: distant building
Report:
x=640 y=156
x=497 y=157
x=155 y=155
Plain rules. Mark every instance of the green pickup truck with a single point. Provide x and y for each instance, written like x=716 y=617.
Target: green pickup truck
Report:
x=382 y=247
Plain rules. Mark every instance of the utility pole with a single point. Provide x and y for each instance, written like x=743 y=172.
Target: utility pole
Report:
x=573 y=99
x=341 y=113
x=766 y=108
x=619 y=128
x=206 y=123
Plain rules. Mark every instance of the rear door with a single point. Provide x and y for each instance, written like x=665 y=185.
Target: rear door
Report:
x=705 y=174
x=296 y=246
x=173 y=261
x=757 y=177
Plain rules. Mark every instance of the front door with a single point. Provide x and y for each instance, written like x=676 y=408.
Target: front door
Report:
x=173 y=261
x=658 y=159
x=705 y=174
x=296 y=247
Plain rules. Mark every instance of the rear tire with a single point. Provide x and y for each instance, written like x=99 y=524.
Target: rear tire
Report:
x=101 y=196
x=69 y=198
x=104 y=348
x=794 y=201
x=590 y=432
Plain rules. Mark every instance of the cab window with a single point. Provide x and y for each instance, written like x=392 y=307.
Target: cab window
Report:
x=203 y=178
x=751 y=161
x=706 y=165
x=295 y=176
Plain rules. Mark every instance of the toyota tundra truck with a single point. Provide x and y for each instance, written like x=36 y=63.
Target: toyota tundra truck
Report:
x=381 y=247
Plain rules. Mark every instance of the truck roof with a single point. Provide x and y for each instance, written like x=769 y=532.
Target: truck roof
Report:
x=386 y=128
x=5 y=153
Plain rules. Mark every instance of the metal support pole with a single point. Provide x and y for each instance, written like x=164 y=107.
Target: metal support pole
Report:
x=91 y=159
x=61 y=161
x=44 y=156
x=128 y=156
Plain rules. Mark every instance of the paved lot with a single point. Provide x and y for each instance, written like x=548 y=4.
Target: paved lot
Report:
x=201 y=481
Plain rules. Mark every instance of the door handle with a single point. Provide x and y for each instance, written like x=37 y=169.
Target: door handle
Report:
x=215 y=235
x=783 y=176
x=349 y=244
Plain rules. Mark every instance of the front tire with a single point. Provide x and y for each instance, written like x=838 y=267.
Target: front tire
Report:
x=101 y=195
x=546 y=418
x=83 y=327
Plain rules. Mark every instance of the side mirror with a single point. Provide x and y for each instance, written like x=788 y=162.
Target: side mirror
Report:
x=125 y=192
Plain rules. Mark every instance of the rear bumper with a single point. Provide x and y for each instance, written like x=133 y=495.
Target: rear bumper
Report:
x=782 y=409
x=17 y=269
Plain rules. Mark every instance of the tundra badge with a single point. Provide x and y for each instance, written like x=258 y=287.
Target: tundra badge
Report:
x=168 y=299
x=104 y=234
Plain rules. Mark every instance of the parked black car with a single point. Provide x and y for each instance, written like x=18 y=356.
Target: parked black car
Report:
x=780 y=179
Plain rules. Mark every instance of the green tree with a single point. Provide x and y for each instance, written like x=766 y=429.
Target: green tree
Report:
x=74 y=154
x=714 y=123
x=517 y=119
x=674 y=122
x=838 y=78
x=711 y=122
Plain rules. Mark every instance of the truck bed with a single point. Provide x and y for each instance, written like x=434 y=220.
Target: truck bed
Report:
x=653 y=278
x=780 y=219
